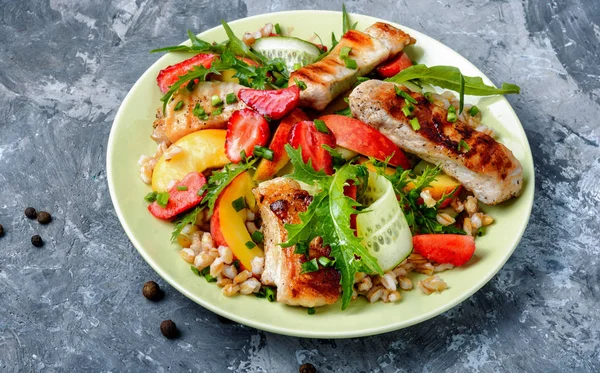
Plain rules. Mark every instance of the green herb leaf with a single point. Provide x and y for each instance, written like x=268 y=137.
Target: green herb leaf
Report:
x=328 y=217
x=474 y=110
x=414 y=122
x=311 y=310
x=350 y=63
x=461 y=94
x=310 y=266
x=257 y=236
x=345 y=112
x=278 y=29
x=199 y=112
x=263 y=152
x=301 y=248
x=325 y=261
x=178 y=106
x=206 y=273
x=321 y=126
x=250 y=245
x=162 y=199
x=239 y=204
x=449 y=77
x=266 y=292
x=150 y=197
x=215 y=100
x=218 y=180
x=217 y=111
x=451 y=117
x=238 y=48
x=300 y=84
x=189 y=218
x=463 y=146
x=197 y=46
x=346 y=23
x=182 y=188
x=405 y=95
x=345 y=52
x=231 y=98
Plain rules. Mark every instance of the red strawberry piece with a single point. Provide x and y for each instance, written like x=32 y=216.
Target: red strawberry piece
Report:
x=182 y=197
x=166 y=77
x=275 y=103
x=306 y=135
x=245 y=129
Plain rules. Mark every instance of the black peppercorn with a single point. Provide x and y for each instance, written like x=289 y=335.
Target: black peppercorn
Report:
x=169 y=329
x=1 y=230
x=152 y=291
x=30 y=213
x=37 y=241
x=307 y=368
x=43 y=217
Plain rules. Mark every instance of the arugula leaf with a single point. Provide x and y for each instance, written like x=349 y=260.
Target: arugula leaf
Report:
x=189 y=218
x=420 y=218
x=238 y=47
x=449 y=77
x=218 y=180
x=346 y=24
x=198 y=45
x=328 y=217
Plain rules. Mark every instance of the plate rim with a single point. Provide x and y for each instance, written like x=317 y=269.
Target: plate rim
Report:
x=369 y=331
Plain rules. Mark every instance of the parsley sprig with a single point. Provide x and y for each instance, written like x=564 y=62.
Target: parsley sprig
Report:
x=328 y=217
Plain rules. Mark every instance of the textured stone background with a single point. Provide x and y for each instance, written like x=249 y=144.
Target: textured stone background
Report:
x=74 y=305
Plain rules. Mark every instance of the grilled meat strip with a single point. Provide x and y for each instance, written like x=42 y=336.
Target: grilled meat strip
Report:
x=485 y=167
x=178 y=123
x=330 y=77
x=280 y=202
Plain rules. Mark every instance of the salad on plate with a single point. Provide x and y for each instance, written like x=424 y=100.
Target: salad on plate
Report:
x=309 y=175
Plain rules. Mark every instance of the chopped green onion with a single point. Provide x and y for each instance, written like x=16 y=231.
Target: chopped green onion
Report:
x=325 y=261
x=217 y=111
x=321 y=126
x=250 y=245
x=300 y=84
x=236 y=264
x=297 y=66
x=408 y=109
x=257 y=236
x=474 y=110
x=182 y=188
x=405 y=95
x=150 y=197
x=361 y=79
x=311 y=310
x=239 y=204
x=310 y=266
x=230 y=98
x=195 y=270
x=162 y=199
x=301 y=248
x=281 y=82
x=463 y=146
x=202 y=189
x=277 y=29
x=345 y=53
x=266 y=292
x=178 y=106
x=451 y=117
x=351 y=64
x=415 y=124
x=345 y=112
x=428 y=96
x=199 y=112
x=206 y=273
x=216 y=100
x=243 y=154
x=191 y=85
x=263 y=152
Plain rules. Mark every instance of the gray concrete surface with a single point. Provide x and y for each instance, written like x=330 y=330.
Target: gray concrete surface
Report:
x=75 y=305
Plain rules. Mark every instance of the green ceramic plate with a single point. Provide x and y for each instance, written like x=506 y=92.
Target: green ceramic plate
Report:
x=130 y=137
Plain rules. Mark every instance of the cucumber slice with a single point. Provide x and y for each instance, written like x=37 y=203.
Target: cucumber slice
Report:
x=384 y=228
x=292 y=50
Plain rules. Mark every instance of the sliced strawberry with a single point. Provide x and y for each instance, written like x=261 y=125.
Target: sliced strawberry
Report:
x=355 y=135
x=245 y=129
x=166 y=77
x=394 y=65
x=180 y=200
x=306 y=135
x=454 y=249
x=352 y=191
x=275 y=104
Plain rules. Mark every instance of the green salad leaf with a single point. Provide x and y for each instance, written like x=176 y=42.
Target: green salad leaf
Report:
x=450 y=77
x=420 y=218
x=328 y=217
x=197 y=46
